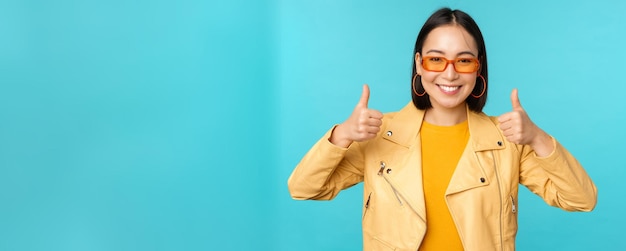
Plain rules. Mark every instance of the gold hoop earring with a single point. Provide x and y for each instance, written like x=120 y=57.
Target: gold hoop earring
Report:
x=484 y=87
x=415 y=91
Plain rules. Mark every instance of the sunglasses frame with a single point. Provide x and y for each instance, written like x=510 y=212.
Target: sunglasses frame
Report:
x=451 y=61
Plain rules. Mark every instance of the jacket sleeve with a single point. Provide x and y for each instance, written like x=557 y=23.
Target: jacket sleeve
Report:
x=558 y=178
x=326 y=170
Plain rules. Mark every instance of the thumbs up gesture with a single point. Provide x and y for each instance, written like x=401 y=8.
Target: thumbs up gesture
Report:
x=519 y=129
x=363 y=124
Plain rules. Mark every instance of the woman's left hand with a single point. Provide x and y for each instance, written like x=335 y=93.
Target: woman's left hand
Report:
x=519 y=129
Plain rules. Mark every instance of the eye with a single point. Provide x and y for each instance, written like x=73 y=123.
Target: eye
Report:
x=465 y=60
x=435 y=59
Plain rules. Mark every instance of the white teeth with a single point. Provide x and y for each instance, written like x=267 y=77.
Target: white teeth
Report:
x=449 y=88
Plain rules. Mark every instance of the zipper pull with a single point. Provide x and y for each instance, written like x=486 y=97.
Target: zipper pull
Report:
x=382 y=167
x=513 y=207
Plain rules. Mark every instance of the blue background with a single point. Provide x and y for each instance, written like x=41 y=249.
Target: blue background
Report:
x=174 y=125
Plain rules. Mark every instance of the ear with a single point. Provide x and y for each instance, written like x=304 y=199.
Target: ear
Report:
x=418 y=63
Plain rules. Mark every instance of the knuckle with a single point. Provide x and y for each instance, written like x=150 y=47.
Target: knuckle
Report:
x=359 y=129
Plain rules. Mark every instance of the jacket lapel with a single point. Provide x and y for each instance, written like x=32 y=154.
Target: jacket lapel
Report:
x=407 y=178
x=470 y=171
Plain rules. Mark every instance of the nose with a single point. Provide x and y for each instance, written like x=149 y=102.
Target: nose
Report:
x=450 y=73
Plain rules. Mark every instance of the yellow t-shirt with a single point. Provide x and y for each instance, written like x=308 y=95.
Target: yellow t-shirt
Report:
x=442 y=147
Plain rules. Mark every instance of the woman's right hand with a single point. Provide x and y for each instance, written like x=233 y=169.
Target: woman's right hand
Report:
x=363 y=124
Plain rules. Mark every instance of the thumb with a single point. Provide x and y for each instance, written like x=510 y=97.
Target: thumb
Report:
x=365 y=96
x=515 y=100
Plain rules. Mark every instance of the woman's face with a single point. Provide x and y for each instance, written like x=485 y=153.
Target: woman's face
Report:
x=447 y=89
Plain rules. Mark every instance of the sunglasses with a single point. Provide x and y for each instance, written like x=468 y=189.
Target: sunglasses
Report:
x=461 y=65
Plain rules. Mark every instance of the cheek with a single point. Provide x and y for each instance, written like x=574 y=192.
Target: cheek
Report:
x=428 y=77
x=470 y=80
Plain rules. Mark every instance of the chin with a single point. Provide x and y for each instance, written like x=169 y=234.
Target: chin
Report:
x=449 y=104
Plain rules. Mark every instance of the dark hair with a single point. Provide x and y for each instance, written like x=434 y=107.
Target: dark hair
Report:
x=446 y=16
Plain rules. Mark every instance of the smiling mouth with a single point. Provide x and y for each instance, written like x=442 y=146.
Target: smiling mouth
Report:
x=448 y=88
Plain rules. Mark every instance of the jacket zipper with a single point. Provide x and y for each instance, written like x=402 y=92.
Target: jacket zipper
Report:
x=382 y=168
x=513 y=207
x=395 y=191
x=380 y=173
x=495 y=168
x=367 y=205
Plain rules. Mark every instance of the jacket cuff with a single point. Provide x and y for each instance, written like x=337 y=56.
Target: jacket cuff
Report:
x=329 y=146
x=552 y=154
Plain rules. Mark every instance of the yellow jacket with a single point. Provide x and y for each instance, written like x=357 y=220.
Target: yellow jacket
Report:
x=481 y=196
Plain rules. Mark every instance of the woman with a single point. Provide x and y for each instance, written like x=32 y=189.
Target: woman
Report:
x=440 y=174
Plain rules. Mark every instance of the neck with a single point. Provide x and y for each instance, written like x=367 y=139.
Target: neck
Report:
x=446 y=116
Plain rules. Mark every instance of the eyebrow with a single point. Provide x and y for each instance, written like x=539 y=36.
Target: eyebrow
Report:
x=458 y=54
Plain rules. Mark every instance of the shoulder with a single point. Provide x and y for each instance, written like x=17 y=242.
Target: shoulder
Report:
x=483 y=118
x=390 y=115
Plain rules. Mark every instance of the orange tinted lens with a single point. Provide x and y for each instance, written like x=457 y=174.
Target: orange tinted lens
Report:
x=434 y=63
x=466 y=65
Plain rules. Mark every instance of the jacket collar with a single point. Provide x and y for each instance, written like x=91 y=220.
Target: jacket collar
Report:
x=406 y=125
